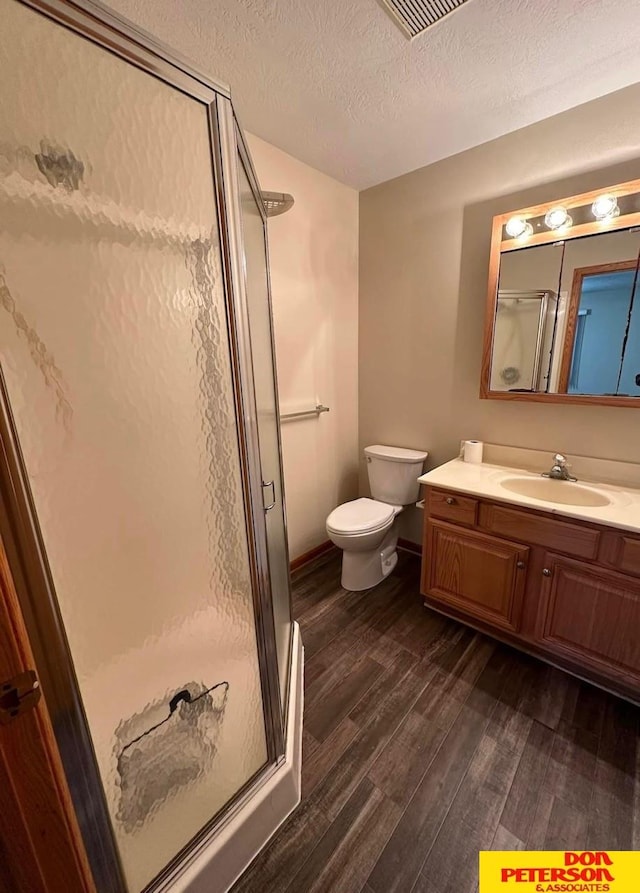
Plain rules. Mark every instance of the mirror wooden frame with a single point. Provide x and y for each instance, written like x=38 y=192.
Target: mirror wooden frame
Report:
x=499 y=245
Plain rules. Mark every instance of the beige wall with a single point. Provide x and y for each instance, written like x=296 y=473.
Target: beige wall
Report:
x=313 y=252
x=424 y=250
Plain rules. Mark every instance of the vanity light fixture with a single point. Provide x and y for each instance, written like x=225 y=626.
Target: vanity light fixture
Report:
x=518 y=228
x=605 y=207
x=557 y=217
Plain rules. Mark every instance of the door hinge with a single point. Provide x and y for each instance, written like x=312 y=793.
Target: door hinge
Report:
x=18 y=695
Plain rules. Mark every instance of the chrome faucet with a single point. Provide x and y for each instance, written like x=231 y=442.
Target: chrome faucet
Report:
x=559 y=470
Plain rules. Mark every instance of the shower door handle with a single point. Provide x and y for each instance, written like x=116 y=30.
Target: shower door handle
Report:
x=271 y=484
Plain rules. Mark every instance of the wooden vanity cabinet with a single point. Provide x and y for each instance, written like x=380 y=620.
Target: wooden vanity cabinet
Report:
x=567 y=591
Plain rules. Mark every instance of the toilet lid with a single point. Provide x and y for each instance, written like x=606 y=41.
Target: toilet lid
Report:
x=359 y=516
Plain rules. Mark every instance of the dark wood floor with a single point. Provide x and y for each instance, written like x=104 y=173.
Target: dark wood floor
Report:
x=425 y=742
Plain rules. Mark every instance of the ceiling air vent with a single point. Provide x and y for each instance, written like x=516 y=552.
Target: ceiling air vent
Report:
x=415 y=16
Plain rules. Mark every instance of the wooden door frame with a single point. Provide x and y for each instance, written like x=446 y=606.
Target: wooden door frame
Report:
x=572 y=313
x=41 y=848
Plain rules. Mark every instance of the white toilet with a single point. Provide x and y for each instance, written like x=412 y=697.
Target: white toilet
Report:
x=365 y=529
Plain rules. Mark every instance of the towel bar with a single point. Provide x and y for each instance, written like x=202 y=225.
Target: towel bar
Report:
x=318 y=408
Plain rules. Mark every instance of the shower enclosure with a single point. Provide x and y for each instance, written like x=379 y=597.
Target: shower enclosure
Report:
x=140 y=471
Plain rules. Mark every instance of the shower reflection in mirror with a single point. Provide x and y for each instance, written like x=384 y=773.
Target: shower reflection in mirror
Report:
x=523 y=336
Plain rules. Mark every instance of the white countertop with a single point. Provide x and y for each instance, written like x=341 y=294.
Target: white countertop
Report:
x=484 y=481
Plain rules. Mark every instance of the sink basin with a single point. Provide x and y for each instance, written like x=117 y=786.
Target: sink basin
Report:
x=561 y=492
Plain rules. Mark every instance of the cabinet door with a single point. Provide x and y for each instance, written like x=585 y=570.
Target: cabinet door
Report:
x=480 y=575
x=591 y=616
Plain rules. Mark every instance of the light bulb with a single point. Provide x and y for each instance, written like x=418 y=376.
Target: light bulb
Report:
x=517 y=227
x=605 y=207
x=557 y=217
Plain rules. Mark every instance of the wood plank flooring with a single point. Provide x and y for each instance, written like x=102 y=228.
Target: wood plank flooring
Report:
x=425 y=742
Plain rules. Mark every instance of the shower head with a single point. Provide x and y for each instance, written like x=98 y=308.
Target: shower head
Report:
x=276 y=202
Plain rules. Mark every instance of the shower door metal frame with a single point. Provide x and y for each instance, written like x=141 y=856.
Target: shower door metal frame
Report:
x=238 y=153
x=245 y=157
x=233 y=261
x=19 y=527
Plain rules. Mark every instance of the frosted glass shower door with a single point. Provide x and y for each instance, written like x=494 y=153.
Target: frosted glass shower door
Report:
x=115 y=352
x=260 y=322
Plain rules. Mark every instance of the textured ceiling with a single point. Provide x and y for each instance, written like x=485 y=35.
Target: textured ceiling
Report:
x=336 y=84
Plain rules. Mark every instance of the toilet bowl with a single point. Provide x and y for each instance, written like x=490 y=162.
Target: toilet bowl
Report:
x=366 y=529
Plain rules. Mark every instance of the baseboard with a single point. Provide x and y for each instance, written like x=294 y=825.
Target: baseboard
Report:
x=408 y=546
x=301 y=560
x=219 y=864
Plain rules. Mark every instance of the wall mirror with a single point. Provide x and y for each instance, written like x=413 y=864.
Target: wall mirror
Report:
x=563 y=309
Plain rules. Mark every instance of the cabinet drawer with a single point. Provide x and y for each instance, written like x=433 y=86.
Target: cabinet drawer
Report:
x=629 y=555
x=451 y=507
x=561 y=536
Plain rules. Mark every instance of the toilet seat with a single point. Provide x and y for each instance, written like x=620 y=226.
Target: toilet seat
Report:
x=360 y=516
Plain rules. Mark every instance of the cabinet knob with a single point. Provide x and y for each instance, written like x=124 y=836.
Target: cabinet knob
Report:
x=450 y=500
x=520 y=565
x=546 y=572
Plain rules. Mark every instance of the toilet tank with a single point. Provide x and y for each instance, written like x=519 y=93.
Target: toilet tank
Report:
x=393 y=473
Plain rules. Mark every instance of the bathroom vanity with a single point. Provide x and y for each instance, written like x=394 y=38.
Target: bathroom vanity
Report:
x=556 y=573
x=551 y=565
